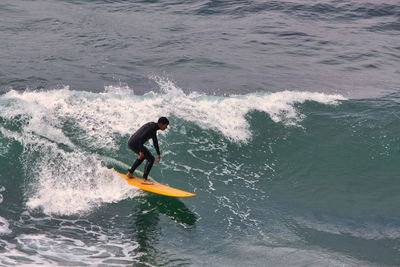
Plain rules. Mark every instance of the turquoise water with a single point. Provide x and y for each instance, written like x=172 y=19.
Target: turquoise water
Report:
x=287 y=178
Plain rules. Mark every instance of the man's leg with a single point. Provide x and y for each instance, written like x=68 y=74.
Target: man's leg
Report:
x=149 y=164
x=135 y=164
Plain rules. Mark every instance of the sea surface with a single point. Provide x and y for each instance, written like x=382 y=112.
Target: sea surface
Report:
x=284 y=120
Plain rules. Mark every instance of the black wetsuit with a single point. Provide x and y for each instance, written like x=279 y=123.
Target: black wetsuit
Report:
x=136 y=143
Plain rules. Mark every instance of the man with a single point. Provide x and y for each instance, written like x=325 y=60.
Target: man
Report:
x=136 y=144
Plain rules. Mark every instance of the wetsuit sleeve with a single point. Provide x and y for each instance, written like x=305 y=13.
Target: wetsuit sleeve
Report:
x=155 y=143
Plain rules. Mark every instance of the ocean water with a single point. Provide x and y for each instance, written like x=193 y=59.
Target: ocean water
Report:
x=284 y=121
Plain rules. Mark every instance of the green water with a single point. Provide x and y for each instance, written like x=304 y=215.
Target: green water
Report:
x=312 y=182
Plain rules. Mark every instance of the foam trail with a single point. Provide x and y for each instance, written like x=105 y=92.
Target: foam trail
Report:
x=62 y=181
x=73 y=182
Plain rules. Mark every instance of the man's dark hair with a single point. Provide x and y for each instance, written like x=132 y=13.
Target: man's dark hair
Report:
x=163 y=120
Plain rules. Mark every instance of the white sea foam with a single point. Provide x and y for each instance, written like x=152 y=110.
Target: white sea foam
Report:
x=69 y=251
x=103 y=115
x=70 y=189
x=121 y=89
x=228 y=114
x=58 y=127
x=4 y=226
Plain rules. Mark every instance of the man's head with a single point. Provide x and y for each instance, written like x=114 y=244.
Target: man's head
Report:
x=163 y=123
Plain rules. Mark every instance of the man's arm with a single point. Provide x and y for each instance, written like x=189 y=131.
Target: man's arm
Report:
x=155 y=143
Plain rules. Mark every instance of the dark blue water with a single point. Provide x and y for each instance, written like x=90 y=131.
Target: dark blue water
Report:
x=284 y=121
x=346 y=47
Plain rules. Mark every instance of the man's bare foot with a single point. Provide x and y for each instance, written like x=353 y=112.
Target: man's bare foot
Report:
x=129 y=175
x=146 y=182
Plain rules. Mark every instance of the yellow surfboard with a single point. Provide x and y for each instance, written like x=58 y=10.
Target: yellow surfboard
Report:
x=156 y=188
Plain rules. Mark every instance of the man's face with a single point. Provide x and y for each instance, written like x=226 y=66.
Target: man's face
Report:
x=163 y=126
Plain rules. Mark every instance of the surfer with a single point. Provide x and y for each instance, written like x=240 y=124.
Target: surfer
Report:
x=136 y=144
